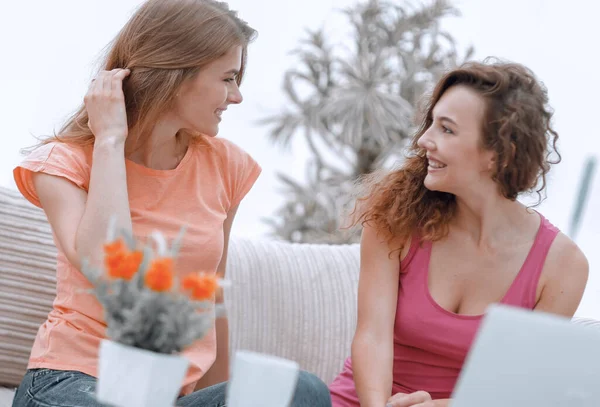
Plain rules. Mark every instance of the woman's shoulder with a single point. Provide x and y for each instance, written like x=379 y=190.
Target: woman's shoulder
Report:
x=565 y=254
x=402 y=248
x=565 y=276
x=236 y=168
x=56 y=149
x=221 y=147
x=57 y=158
x=562 y=249
x=232 y=159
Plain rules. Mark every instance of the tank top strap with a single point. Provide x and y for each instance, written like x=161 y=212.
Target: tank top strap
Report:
x=524 y=288
x=415 y=245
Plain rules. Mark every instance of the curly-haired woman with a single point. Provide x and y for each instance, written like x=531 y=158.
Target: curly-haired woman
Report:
x=444 y=237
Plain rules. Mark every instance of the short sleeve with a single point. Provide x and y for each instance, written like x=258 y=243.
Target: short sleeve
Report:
x=58 y=159
x=241 y=172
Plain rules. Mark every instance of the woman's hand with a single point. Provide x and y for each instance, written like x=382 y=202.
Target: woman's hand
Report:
x=417 y=399
x=105 y=105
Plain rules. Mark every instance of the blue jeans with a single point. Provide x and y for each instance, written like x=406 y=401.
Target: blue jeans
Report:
x=57 y=388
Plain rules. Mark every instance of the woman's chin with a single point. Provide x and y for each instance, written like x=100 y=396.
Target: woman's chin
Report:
x=430 y=184
x=434 y=185
x=208 y=132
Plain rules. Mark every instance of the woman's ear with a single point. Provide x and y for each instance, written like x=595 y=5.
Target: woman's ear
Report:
x=492 y=161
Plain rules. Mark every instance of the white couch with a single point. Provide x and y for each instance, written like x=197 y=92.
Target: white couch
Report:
x=294 y=301
x=291 y=300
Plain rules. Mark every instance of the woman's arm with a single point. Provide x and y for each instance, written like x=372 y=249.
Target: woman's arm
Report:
x=372 y=346
x=219 y=372
x=80 y=220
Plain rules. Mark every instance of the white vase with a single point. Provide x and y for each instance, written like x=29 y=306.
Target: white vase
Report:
x=259 y=380
x=132 y=377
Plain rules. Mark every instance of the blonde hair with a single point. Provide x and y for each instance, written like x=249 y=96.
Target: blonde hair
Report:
x=164 y=43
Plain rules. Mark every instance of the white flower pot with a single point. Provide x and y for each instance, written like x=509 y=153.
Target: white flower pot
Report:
x=132 y=377
x=259 y=380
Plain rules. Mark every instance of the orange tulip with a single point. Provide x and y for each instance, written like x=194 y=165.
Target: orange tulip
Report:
x=159 y=276
x=120 y=262
x=115 y=247
x=201 y=286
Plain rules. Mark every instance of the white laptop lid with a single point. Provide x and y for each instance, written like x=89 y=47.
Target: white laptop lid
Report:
x=529 y=359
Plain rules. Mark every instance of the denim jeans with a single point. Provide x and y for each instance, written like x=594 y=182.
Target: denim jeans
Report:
x=54 y=388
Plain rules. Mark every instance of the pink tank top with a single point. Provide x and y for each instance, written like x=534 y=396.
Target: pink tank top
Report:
x=431 y=343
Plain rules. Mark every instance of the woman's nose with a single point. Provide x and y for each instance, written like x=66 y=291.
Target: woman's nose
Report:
x=426 y=143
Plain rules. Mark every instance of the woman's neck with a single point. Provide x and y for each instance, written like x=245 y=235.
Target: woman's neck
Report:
x=493 y=221
x=162 y=149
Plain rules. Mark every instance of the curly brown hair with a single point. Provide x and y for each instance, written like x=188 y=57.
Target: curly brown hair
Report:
x=516 y=126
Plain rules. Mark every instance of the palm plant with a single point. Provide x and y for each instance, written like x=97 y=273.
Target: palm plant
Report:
x=354 y=106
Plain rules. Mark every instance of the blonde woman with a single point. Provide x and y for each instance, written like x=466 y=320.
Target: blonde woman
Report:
x=143 y=148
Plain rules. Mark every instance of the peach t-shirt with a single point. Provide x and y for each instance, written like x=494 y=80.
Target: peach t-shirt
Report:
x=212 y=178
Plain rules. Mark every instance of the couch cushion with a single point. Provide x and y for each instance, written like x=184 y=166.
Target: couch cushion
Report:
x=27 y=272
x=295 y=301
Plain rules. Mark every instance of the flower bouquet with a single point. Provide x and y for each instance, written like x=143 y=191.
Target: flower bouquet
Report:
x=151 y=314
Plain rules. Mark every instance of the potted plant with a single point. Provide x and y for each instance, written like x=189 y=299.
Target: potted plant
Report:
x=151 y=314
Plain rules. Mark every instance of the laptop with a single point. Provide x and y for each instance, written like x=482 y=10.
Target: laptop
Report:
x=522 y=358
